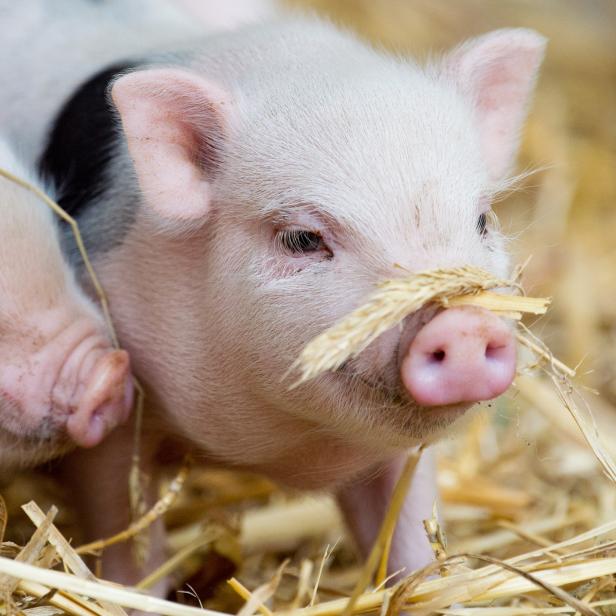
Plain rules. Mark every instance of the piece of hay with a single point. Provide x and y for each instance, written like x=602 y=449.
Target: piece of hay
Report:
x=104 y=591
x=72 y=561
x=396 y=299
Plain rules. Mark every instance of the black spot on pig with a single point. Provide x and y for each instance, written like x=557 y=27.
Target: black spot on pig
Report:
x=77 y=161
x=80 y=144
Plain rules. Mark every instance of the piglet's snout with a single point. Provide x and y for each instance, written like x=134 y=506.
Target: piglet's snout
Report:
x=461 y=355
x=106 y=401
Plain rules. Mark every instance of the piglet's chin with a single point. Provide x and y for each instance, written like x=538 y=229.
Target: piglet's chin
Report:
x=436 y=419
x=19 y=447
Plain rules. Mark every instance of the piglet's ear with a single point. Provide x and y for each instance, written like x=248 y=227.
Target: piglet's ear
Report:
x=498 y=71
x=173 y=121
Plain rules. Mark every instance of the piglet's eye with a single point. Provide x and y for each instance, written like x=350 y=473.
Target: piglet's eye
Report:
x=300 y=241
x=482 y=223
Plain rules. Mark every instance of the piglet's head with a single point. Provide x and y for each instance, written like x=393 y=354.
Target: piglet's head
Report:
x=295 y=193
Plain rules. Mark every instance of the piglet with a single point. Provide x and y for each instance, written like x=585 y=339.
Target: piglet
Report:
x=239 y=197
x=61 y=381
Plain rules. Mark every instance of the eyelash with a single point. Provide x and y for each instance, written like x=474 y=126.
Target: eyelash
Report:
x=482 y=225
x=301 y=241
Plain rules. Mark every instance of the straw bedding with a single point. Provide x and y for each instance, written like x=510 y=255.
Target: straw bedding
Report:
x=528 y=507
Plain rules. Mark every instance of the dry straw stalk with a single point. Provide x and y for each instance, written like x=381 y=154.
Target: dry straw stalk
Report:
x=395 y=299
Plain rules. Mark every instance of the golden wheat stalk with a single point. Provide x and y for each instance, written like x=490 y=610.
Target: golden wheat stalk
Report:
x=397 y=298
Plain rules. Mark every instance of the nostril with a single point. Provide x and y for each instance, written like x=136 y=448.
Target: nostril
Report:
x=495 y=351
x=437 y=357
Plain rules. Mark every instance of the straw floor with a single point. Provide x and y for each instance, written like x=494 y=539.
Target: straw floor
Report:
x=519 y=483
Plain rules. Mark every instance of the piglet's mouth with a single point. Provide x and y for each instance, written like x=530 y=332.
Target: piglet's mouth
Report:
x=33 y=447
x=389 y=411
x=49 y=430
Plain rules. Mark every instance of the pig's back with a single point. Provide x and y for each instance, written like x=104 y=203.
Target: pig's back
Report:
x=52 y=47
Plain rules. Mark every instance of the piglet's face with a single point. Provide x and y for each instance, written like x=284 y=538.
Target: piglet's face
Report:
x=315 y=190
x=62 y=383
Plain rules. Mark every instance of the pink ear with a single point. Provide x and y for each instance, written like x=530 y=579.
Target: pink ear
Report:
x=498 y=70
x=173 y=121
